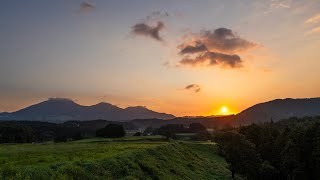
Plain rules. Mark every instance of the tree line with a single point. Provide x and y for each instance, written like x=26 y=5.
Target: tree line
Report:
x=288 y=149
x=35 y=131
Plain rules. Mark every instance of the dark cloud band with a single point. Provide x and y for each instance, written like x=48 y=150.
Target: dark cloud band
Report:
x=212 y=59
x=189 y=49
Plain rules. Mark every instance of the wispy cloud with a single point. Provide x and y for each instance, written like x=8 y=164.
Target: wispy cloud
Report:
x=273 y=5
x=151 y=25
x=280 y=4
x=156 y=15
x=314 y=19
x=86 y=7
x=149 y=31
x=313 y=31
x=315 y=22
x=211 y=48
x=193 y=87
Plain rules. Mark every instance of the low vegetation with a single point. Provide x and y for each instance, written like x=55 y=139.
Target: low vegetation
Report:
x=288 y=149
x=113 y=159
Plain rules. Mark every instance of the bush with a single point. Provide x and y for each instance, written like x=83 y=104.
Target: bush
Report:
x=138 y=134
x=202 y=136
x=197 y=127
x=111 y=131
x=60 y=139
x=78 y=136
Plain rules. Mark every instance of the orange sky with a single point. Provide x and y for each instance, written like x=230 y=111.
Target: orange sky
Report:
x=184 y=59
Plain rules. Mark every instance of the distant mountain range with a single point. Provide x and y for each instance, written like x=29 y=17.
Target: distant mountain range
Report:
x=274 y=110
x=60 y=110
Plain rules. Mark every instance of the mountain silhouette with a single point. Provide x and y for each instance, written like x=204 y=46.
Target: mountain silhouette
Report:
x=278 y=109
x=60 y=109
x=274 y=110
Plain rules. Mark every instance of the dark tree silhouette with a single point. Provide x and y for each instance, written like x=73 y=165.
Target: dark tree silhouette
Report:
x=197 y=127
x=240 y=154
x=111 y=131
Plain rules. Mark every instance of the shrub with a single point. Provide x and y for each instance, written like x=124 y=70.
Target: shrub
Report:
x=111 y=131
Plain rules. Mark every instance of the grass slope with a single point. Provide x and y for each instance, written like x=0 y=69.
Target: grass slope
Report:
x=112 y=160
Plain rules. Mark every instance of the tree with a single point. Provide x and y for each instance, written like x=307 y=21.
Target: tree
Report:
x=197 y=127
x=239 y=153
x=138 y=133
x=202 y=136
x=148 y=131
x=78 y=136
x=170 y=130
x=267 y=171
x=111 y=131
x=16 y=134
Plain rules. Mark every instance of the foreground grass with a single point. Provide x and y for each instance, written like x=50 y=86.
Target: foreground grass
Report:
x=105 y=159
x=84 y=150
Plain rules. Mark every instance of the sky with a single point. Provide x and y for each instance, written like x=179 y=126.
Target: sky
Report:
x=182 y=57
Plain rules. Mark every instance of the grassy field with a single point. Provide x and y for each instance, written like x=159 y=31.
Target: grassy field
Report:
x=125 y=158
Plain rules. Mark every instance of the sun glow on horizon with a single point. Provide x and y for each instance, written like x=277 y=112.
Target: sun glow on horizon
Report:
x=224 y=110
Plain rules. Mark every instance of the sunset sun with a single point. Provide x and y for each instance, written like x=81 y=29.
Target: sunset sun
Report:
x=224 y=110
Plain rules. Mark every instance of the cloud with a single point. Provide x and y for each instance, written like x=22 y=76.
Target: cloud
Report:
x=264 y=7
x=225 y=40
x=221 y=39
x=193 y=87
x=86 y=7
x=313 y=31
x=314 y=19
x=158 y=15
x=149 y=31
x=276 y=4
x=218 y=47
x=212 y=59
x=189 y=49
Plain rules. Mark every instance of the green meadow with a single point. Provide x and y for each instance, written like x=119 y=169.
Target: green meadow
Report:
x=123 y=158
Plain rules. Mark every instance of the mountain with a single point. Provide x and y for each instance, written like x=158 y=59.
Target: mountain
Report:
x=279 y=109
x=276 y=110
x=59 y=110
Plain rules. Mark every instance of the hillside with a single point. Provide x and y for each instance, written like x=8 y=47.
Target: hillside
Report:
x=60 y=110
x=113 y=160
x=279 y=109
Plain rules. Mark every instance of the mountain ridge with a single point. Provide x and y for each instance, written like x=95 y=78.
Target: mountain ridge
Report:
x=61 y=109
x=278 y=109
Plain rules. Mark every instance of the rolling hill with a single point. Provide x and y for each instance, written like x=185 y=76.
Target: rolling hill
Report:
x=278 y=109
x=105 y=159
